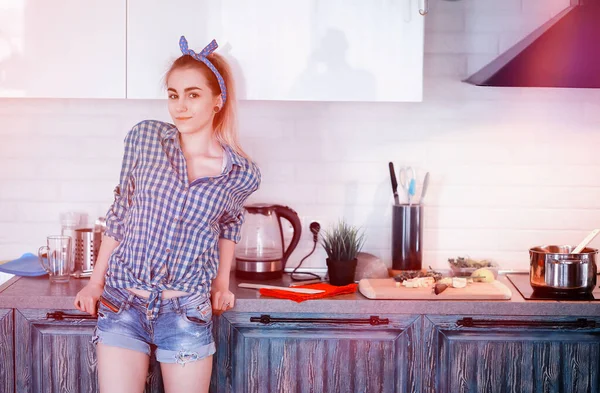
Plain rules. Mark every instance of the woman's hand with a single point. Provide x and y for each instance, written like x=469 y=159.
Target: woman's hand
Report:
x=88 y=297
x=222 y=298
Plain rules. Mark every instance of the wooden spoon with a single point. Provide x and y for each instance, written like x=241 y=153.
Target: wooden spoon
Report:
x=585 y=241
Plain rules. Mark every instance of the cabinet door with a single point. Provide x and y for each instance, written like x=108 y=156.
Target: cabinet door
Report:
x=316 y=353
x=63 y=49
x=7 y=352
x=58 y=355
x=511 y=354
x=335 y=50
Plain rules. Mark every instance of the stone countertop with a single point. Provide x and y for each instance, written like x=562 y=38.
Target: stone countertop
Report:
x=26 y=292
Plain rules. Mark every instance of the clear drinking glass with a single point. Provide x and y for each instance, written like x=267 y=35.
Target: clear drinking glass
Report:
x=58 y=258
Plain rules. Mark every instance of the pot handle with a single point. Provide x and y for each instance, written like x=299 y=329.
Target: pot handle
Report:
x=591 y=262
x=573 y=261
x=562 y=261
x=291 y=216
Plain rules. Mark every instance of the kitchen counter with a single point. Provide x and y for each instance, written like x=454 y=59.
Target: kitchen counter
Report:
x=37 y=293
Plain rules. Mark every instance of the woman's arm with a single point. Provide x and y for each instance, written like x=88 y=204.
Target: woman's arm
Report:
x=222 y=298
x=115 y=217
x=230 y=227
x=87 y=298
x=226 y=249
x=101 y=266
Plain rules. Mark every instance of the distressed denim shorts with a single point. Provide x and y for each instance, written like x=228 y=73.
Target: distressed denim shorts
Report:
x=180 y=333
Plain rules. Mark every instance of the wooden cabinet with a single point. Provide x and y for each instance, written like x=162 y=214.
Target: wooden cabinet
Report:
x=53 y=355
x=7 y=352
x=335 y=50
x=63 y=49
x=547 y=354
x=338 y=50
x=58 y=355
x=316 y=353
x=297 y=353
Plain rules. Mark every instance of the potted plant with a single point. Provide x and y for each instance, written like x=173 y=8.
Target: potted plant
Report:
x=342 y=244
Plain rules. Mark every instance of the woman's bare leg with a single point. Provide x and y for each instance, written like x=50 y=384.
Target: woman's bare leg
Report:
x=121 y=370
x=193 y=377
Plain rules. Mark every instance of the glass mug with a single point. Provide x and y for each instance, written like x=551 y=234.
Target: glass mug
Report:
x=59 y=260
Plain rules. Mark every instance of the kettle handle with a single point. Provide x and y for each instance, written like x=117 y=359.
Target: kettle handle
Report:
x=293 y=218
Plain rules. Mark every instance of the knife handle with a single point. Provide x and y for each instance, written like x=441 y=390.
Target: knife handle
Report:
x=297 y=290
x=393 y=178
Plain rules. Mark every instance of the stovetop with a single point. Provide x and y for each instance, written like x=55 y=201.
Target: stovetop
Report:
x=521 y=282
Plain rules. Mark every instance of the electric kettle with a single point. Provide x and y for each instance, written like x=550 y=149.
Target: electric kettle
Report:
x=260 y=254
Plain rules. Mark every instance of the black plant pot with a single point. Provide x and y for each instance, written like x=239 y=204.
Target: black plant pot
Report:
x=341 y=272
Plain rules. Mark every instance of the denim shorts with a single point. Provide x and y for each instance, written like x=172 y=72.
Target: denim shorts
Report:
x=180 y=333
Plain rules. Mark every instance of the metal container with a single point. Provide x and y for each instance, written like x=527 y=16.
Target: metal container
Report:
x=555 y=269
x=87 y=244
x=407 y=237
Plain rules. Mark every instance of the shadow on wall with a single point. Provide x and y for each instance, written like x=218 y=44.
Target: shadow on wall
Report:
x=327 y=70
x=11 y=61
x=238 y=72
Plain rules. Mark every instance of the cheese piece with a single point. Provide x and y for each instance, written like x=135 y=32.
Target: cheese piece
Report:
x=459 y=282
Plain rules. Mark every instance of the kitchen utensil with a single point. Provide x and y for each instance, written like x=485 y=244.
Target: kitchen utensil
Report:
x=408 y=181
x=58 y=263
x=80 y=274
x=555 y=269
x=394 y=183
x=407 y=235
x=585 y=241
x=307 y=282
x=425 y=186
x=68 y=223
x=100 y=225
x=260 y=254
x=288 y=289
x=385 y=288
x=87 y=244
x=27 y=265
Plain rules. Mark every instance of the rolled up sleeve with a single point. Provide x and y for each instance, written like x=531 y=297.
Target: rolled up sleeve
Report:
x=232 y=219
x=115 y=217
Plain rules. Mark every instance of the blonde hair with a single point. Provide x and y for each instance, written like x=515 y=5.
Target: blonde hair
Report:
x=225 y=124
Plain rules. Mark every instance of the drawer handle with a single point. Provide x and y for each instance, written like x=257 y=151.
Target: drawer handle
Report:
x=59 y=316
x=579 y=323
x=373 y=320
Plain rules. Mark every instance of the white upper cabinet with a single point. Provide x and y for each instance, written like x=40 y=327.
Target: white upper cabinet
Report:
x=63 y=48
x=333 y=50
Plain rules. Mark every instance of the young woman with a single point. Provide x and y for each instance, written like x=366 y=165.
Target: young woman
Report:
x=167 y=251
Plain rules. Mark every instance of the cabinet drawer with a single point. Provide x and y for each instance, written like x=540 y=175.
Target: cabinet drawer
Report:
x=317 y=352
x=511 y=354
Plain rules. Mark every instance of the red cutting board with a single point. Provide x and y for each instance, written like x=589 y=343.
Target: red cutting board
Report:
x=385 y=288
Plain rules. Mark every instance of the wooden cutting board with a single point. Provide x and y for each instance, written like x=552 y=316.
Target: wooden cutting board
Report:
x=385 y=288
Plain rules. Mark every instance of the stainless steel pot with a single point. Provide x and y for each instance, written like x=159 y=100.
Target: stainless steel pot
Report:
x=555 y=269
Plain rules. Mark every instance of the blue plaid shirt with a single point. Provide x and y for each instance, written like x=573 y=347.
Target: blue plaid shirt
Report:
x=168 y=228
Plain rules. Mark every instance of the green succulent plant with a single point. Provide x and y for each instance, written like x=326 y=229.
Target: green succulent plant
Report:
x=342 y=242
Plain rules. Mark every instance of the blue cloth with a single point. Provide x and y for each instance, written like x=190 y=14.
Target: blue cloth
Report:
x=168 y=228
x=26 y=265
x=202 y=56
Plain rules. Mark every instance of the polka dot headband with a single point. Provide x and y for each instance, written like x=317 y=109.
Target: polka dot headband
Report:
x=183 y=44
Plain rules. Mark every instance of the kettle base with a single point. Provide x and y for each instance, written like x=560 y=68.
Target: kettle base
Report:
x=258 y=276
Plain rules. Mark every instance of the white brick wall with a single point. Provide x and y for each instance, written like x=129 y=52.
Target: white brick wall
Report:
x=510 y=168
